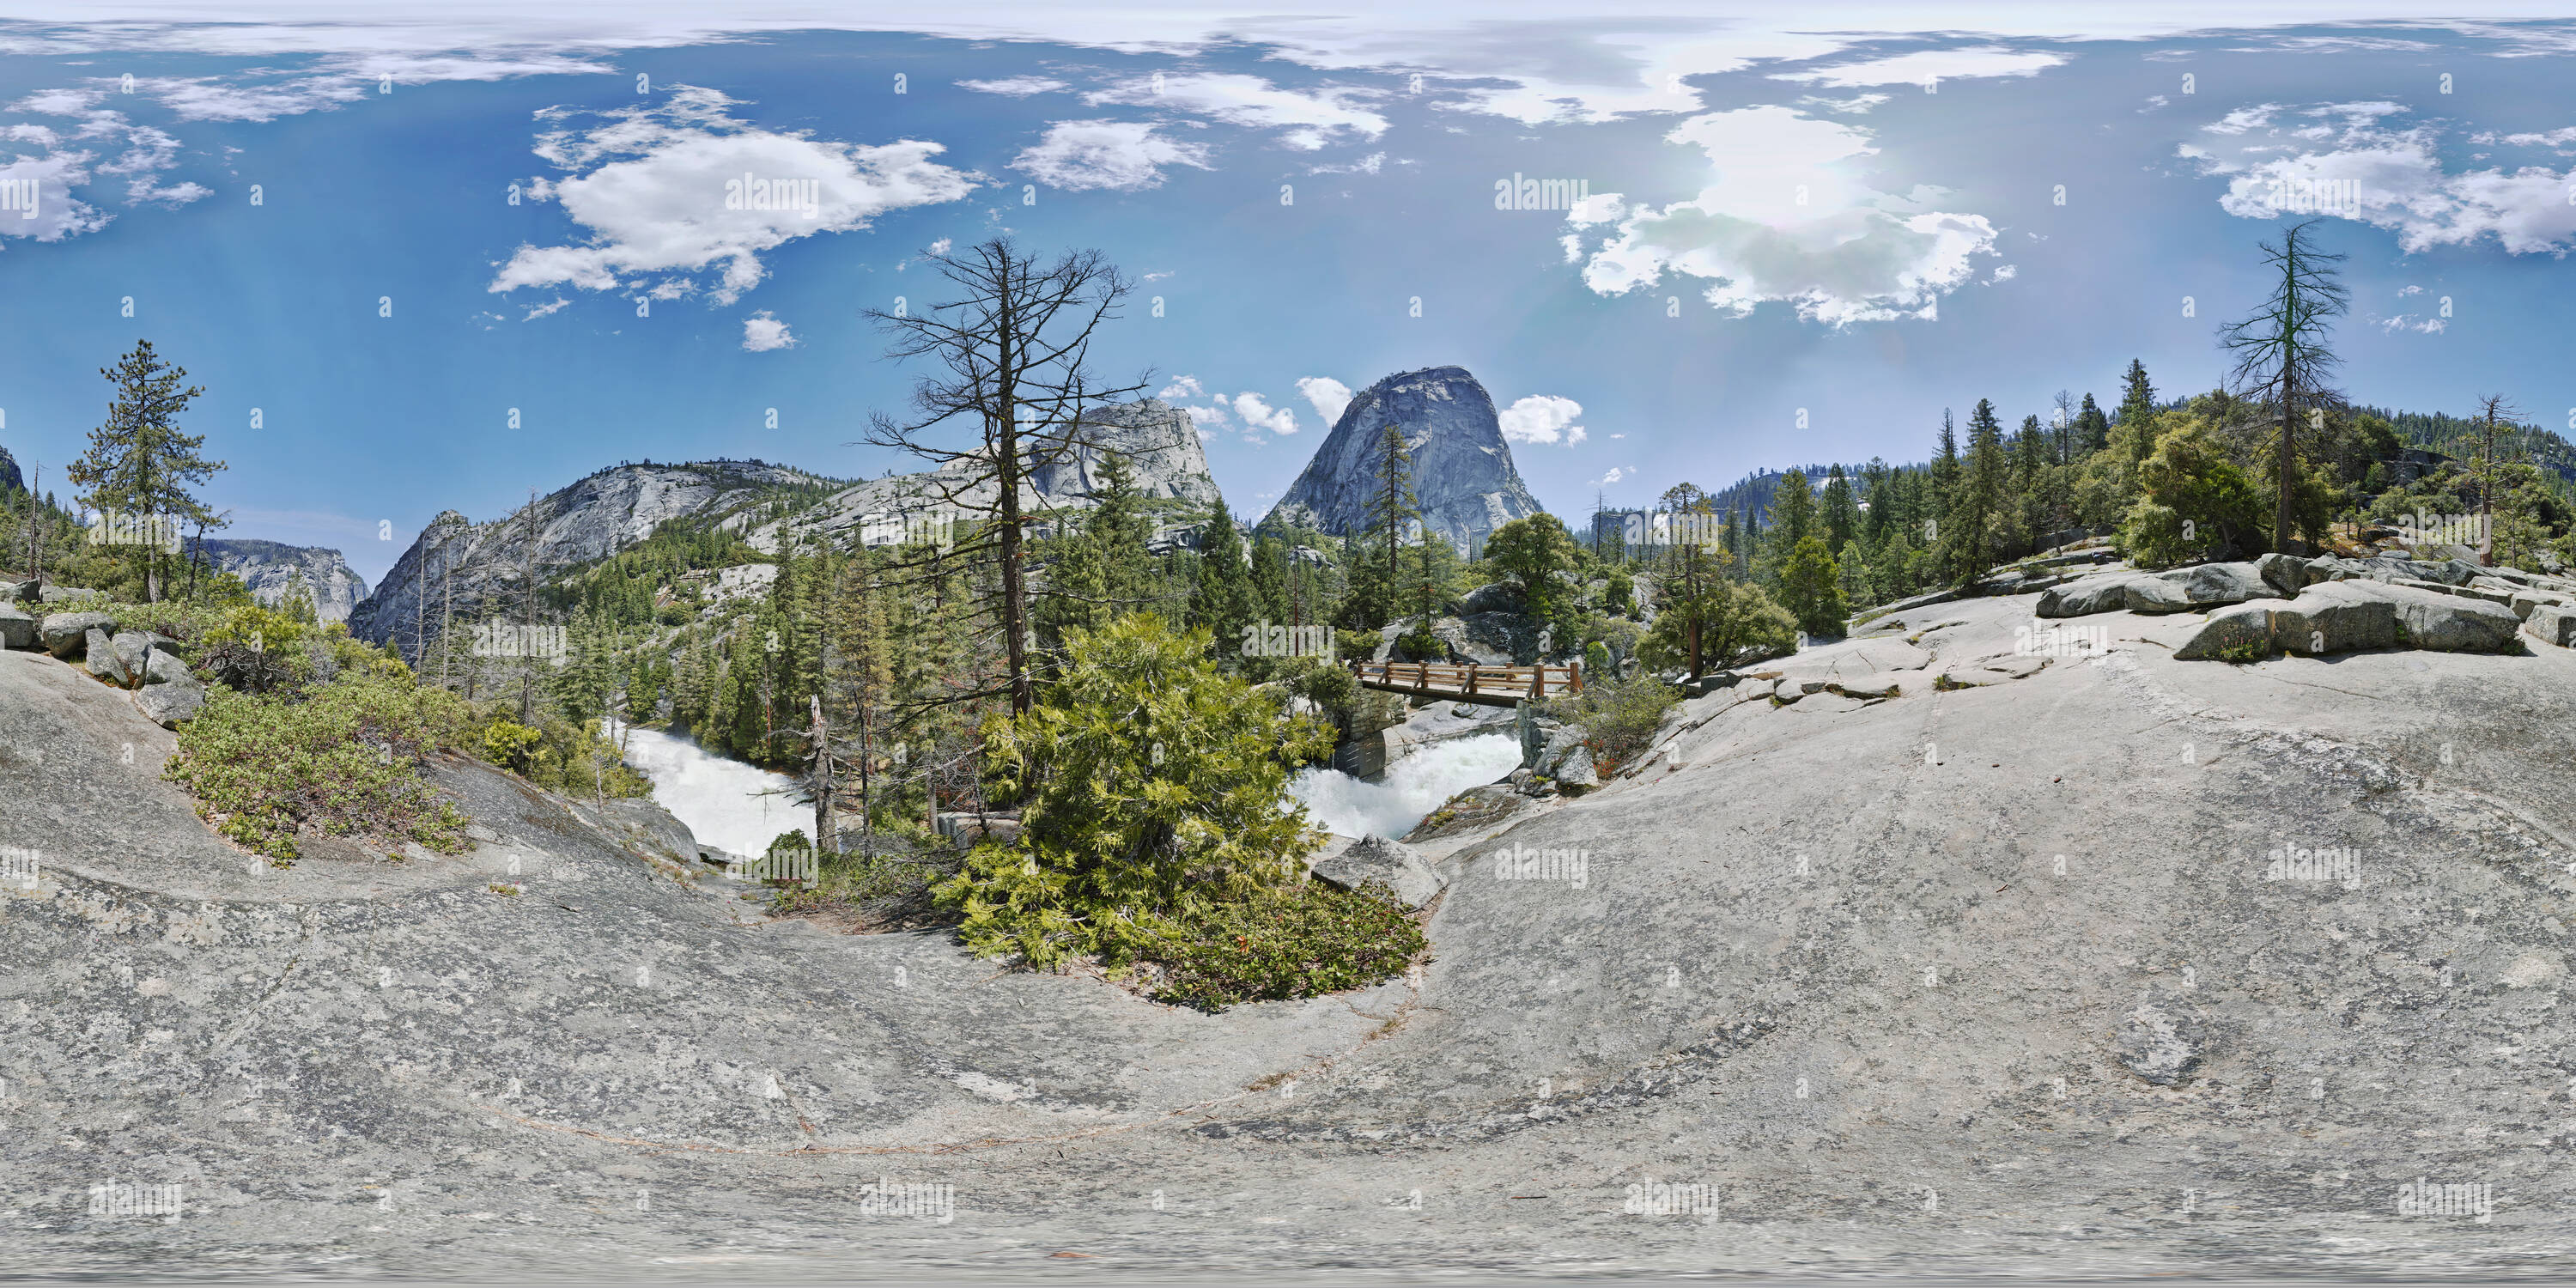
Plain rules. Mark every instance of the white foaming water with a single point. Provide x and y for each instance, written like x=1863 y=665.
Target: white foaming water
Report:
x=721 y=800
x=1413 y=787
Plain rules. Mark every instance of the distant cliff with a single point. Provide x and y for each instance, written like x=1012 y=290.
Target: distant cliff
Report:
x=1463 y=477
x=269 y=568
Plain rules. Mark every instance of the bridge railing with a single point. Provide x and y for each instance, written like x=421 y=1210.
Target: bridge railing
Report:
x=1452 y=679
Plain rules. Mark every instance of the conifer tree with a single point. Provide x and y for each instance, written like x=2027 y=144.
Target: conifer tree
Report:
x=139 y=464
x=1221 y=599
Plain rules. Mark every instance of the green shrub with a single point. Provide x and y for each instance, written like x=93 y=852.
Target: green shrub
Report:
x=1618 y=717
x=345 y=761
x=1156 y=786
x=1299 y=941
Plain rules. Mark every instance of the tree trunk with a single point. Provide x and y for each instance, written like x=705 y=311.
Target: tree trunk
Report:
x=824 y=832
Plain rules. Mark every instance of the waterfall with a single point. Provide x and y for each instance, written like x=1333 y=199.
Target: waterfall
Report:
x=1413 y=787
x=728 y=804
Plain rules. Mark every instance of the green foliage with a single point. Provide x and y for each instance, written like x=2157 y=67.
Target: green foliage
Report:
x=139 y=464
x=1155 y=788
x=2192 y=497
x=1731 y=617
x=1302 y=940
x=1618 y=717
x=1811 y=589
x=345 y=762
x=511 y=746
x=1529 y=553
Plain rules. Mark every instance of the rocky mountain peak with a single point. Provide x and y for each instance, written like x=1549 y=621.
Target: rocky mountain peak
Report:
x=1463 y=476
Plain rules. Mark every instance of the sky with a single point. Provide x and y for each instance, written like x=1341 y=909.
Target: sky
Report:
x=435 y=260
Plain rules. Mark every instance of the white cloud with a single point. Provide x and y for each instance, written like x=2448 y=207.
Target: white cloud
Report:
x=208 y=99
x=651 y=186
x=1782 y=220
x=762 y=333
x=142 y=191
x=1542 y=419
x=1310 y=119
x=556 y=305
x=2243 y=119
x=1126 y=156
x=1014 y=86
x=1207 y=420
x=2369 y=172
x=1182 y=387
x=1258 y=414
x=55 y=215
x=60 y=102
x=2411 y=290
x=1327 y=395
x=939 y=247
x=2409 y=322
x=1855 y=105
x=1930 y=66
x=1613 y=476
x=1369 y=164
x=2006 y=272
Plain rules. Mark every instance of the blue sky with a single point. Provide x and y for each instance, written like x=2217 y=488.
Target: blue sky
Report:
x=1798 y=244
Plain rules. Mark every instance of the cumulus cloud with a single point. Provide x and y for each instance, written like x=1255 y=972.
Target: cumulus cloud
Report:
x=1784 y=220
x=1542 y=419
x=45 y=210
x=1014 y=86
x=1613 y=476
x=1928 y=66
x=1327 y=395
x=1127 y=156
x=662 y=191
x=1258 y=414
x=1310 y=119
x=2006 y=272
x=2349 y=161
x=1181 y=388
x=2409 y=322
x=547 y=309
x=762 y=333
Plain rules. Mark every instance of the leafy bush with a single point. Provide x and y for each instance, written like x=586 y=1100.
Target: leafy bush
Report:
x=1156 y=788
x=1300 y=941
x=555 y=753
x=2194 y=497
x=1618 y=717
x=345 y=762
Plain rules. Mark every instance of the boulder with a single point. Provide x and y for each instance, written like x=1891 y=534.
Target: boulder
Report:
x=164 y=667
x=2101 y=593
x=2341 y=616
x=1348 y=864
x=2451 y=623
x=17 y=628
x=1492 y=597
x=1560 y=743
x=134 y=651
x=2285 y=574
x=102 y=659
x=65 y=635
x=2212 y=585
x=2152 y=593
x=2552 y=625
x=2525 y=603
x=67 y=594
x=1576 y=774
x=172 y=702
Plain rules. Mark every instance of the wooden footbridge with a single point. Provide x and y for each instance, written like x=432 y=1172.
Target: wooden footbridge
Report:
x=1492 y=686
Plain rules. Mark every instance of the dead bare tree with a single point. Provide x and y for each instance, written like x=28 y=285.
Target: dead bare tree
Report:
x=2281 y=350
x=2491 y=407
x=1015 y=346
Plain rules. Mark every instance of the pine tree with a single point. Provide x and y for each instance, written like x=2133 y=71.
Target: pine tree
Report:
x=1841 y=511
x=2093 y=429
x=139 y=464
x=1395 y=509
x=2139 y=400
x=1221 y=599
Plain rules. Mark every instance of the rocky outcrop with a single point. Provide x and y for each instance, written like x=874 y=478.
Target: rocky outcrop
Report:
x=17 y=626
x=458 y=567
x=1159 y=444
x=1348 y=864
x=66 y=635
x=2180 y=591
x=2342 y=616
x=1463 y=477
x=269 y=568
